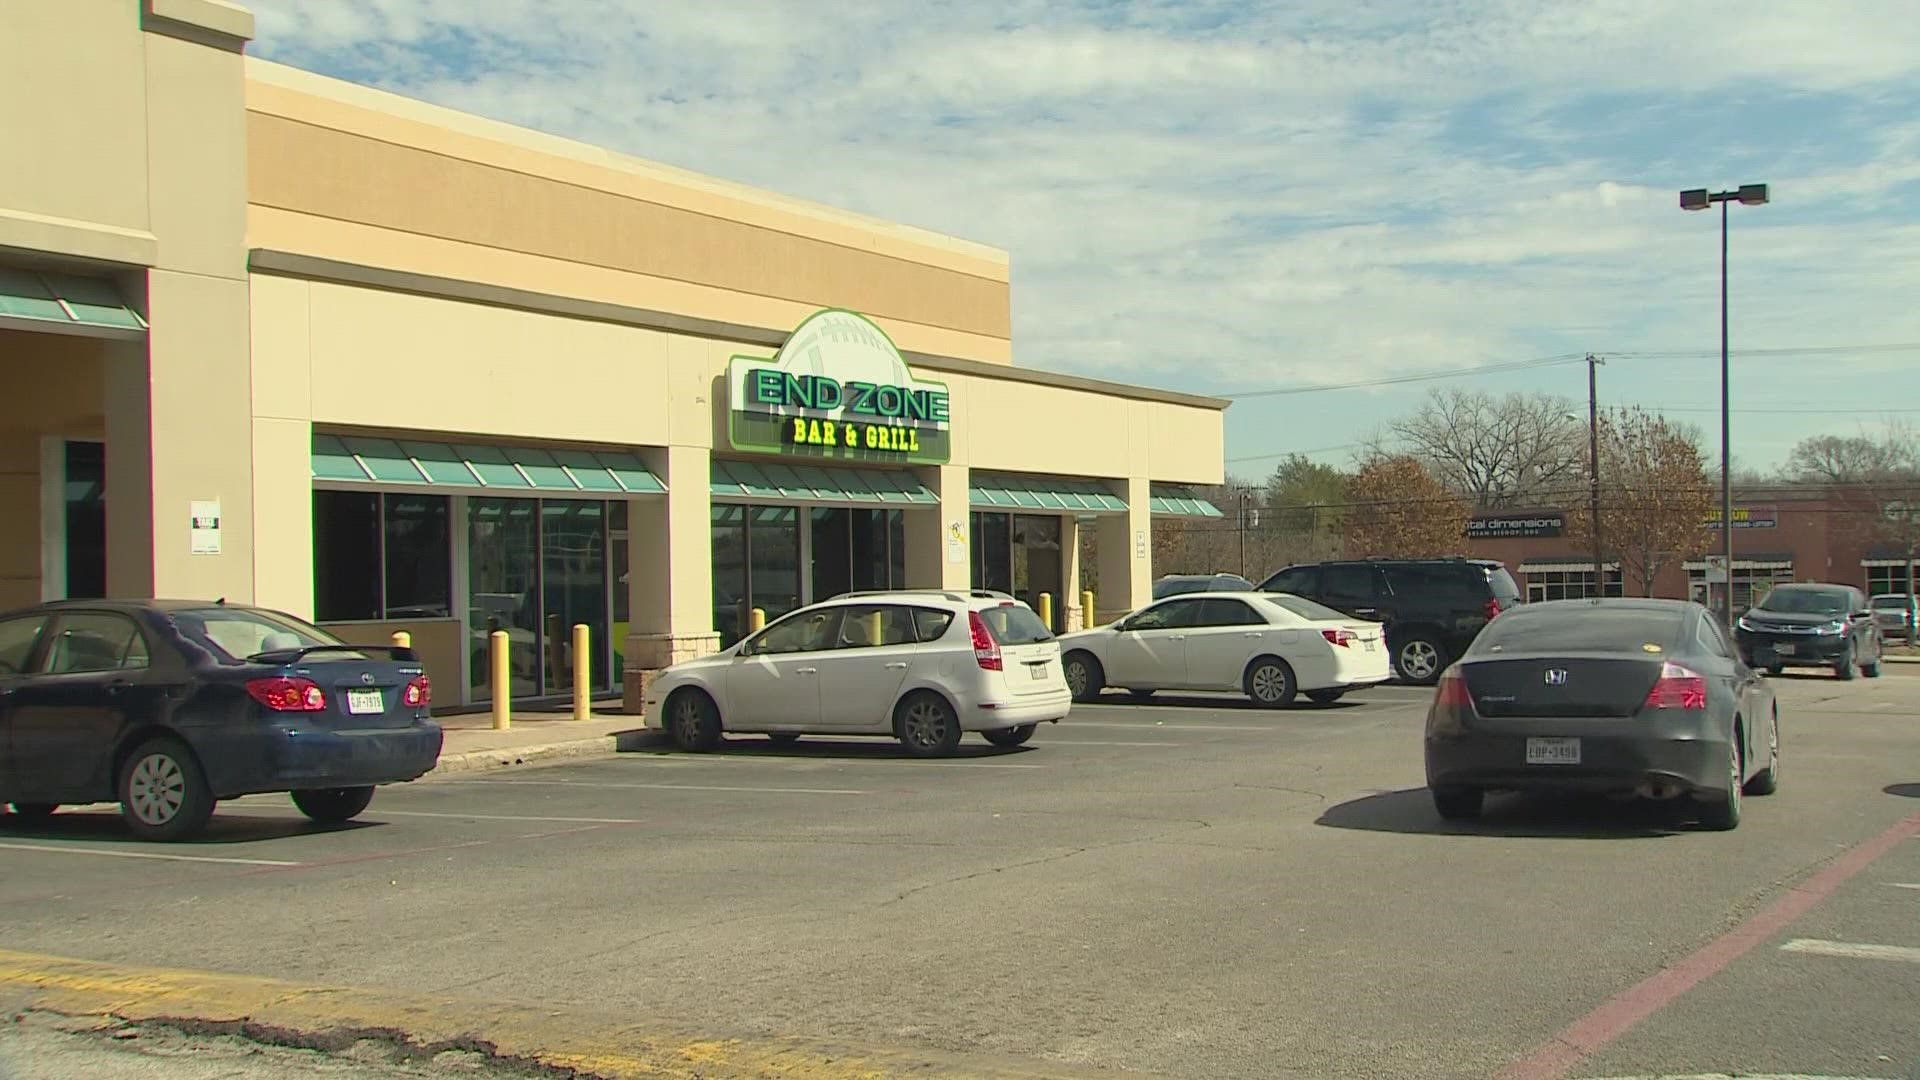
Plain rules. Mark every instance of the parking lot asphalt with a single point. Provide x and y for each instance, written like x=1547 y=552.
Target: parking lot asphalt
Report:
x=1185 y=887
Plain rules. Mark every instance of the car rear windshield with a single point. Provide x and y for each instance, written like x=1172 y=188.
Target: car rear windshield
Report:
x=1505 y=589
x=234 y=634
x=1579 y=628
x=1894 y=601
x=1012 y=624
x=1304 y=608
x=1806 y=602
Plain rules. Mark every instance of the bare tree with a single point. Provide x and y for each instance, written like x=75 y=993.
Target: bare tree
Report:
x=1654 y=496
x=1876 y=476
x=1518 y=449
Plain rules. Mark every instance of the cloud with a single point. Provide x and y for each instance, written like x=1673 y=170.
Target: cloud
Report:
x=1216 y=195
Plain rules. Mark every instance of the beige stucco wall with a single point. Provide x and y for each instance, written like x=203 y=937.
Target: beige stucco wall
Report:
x=53 y=391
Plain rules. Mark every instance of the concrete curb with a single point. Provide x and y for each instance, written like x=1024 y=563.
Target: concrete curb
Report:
x=473 y=761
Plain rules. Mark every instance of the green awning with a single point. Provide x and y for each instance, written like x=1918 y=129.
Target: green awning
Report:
x=1181 y=502
x=1014 y=491
x=527 y=469
x=65 y=304
x=818 y=483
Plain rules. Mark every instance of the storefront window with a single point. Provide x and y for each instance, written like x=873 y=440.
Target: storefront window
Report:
x=619 y=562
x=502 y=549
x=729 y=540
x=835 y=559
x=993 y=552
x=1888 y=579
x=346 y=556
x=86 y=520
x=1036 y=563
x=419 y=557
x=381 y=556
x=1567 y=584
x=573 y=581
x=1748 y=584
x=774 y=552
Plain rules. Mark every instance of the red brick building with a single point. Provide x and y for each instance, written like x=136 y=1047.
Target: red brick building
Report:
x=1788 y=538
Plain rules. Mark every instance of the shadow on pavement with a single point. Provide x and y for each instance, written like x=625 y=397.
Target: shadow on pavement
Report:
x=1580 y=817
x=1222 y=702
x=104 y=826
x=847 y=748
x=1905 y=791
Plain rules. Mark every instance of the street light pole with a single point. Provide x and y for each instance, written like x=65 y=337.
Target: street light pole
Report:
x=1593 y=473
x=1701 y=199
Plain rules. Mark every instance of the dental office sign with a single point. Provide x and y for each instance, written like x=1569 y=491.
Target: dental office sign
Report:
x=837 y=389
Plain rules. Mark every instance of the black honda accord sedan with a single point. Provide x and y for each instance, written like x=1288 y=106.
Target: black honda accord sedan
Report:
x=1620 y=696
x=169 y=706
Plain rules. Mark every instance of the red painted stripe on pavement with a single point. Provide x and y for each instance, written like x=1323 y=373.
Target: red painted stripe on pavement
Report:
x=1619 y=1014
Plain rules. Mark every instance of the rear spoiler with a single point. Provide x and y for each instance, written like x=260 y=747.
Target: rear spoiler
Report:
x=289 y=656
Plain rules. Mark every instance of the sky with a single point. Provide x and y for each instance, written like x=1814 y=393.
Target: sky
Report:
x=1245 y=197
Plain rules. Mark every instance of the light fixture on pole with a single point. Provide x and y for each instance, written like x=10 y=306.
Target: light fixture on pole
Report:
x=1701 y=199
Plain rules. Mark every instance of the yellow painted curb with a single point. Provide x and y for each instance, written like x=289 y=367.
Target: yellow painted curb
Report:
x=595 y=1046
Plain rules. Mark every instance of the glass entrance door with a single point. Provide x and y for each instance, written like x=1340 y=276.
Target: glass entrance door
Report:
x=502 y=564
x=573 y=580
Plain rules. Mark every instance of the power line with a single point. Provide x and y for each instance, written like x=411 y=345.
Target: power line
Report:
x=1302 y=453
x=1423 y=376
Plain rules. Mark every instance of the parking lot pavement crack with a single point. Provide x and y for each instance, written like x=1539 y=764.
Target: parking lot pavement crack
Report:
x=1194 y=825
x=1314 y=795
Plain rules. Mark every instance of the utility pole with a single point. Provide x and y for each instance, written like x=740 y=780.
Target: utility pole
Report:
x=1243 y=531
x=1593 y=472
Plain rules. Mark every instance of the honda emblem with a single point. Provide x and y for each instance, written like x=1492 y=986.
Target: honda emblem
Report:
x=1556 y=676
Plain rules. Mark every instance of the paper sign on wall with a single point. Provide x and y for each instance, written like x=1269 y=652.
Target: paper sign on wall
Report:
x=956 y=543
x=205 y=514
x=1139 y=544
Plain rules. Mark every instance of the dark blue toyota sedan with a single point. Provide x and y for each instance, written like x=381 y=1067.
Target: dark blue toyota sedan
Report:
x=170 y=706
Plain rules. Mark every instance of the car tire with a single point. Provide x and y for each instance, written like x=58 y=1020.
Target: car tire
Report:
x=1270 y=682
x=693 y=721
x=783 y=738
x=33 y=813
x=926 y=725
x=1010 y=736
x=1140 y=695
x=1722 y=811
x=333 y=806
x=1459 y=803
x=1085 y=677
x=1325 y=697
x=1419 y=659
x=1843 y=667
x=1767 y=780
x=1776 y=669
x=1871 y=671
x=163 y=792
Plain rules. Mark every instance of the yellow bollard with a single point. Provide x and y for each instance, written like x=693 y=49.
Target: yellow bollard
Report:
x=582 y=673
x=873 y=627
x=1086 y=609
x=502 y=681
x=402 y=639
x=756 y=620
x=1046 y=609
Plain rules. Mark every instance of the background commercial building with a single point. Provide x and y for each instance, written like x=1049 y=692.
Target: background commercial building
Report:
x=283 y=339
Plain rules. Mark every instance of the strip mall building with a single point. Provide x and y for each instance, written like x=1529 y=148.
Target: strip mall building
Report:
x=286 y=340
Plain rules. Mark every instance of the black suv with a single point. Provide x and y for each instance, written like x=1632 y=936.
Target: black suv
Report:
x=1812 y=625
x=1432 y=608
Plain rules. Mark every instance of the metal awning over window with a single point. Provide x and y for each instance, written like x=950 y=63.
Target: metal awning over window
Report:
x=770 y=482
x=495 y=469
x=66 y=304
x=1782 y=561
x=1181 y=502
x=1011 y=491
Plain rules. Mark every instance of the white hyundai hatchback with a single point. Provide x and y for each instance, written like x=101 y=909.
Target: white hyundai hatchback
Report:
x=921 y=666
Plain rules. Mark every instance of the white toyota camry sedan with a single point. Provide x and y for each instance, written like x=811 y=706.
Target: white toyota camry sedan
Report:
x=1268 y=646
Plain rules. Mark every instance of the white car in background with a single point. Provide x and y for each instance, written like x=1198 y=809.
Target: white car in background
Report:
x=1268 y=646
x=923 y=667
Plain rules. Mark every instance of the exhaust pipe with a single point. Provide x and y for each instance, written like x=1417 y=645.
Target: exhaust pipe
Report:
x=1658 y=790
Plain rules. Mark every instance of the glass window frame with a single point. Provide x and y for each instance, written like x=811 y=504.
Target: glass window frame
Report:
x=36 y=648
x=1183 y=601
x=62 y=627
x=382 y=567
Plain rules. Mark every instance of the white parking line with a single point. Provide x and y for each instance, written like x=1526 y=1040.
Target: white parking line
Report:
x=656 y=787
x=690 y=760
x=1852 y=951
x=1172 y=725
x=50 y=849
x=376 y=813
x=1101 y=742
x=1902 y=885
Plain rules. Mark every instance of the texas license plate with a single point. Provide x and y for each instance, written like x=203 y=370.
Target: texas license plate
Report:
x=1039 y=670
x=365 y=702
x=1553 y=751
x=1373 y=645
x=1785 y=648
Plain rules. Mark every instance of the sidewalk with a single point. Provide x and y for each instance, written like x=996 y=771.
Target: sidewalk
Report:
x=472 y=745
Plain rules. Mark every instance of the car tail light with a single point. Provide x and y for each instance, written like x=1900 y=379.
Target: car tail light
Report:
x=986 y=651
x=418 y=693
x=1452 y=705
x=1341 y=638
x=283 y=693
x=1493 y=608
x=1678 y=688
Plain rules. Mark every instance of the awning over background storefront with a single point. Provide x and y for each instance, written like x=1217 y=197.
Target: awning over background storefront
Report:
x=818 y=483
x=1178 y=501
x=1014 y=491
x=494 y=469
x=1769 y=561
x=65 y=304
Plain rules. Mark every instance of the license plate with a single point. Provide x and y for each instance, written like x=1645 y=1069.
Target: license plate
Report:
x=1553 y=751
x=365 y=702
x=1039 y=670
x=1373 y=645
x=1784 y=648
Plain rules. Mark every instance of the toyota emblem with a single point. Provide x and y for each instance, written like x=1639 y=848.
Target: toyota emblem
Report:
x=368 y=679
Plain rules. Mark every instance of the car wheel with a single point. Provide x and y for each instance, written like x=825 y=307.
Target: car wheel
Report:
x=1776 y=669
x=1010 y=736
x=1419 y=660
x=1722 y=810
x=1325 y=697
x=783 y=738
x=1140 y=695
x=1084 y=676
x=1459 y=803
x=693 y=721
x=33 y=813
x=163 y=793
x=1767 y=780
x=1270 y=683
x=1871 y=671
x=927 y=726
x=331 y=806
x=1843 y=667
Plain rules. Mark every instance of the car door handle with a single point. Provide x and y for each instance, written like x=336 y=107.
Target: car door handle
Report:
x=898 y=665
x=806 y=671
x=1251 y=634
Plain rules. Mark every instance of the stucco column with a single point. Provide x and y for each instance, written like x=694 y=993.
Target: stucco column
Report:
x=670 y=571
x=939 y=539
x=1126 y=553
x=1070 y=572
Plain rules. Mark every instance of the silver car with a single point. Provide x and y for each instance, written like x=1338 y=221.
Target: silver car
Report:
x=1895 y=614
